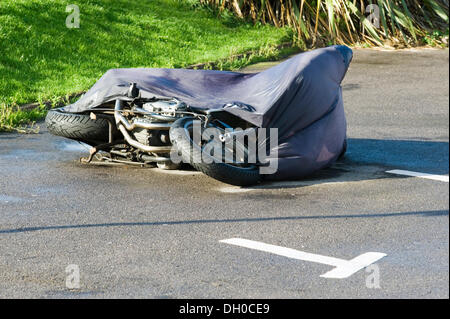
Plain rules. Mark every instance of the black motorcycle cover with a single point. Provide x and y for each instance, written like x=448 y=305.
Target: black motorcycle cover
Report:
x=301 y=97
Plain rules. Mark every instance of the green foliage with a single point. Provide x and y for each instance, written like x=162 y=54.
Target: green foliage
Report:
x=324 y=22
x=437 y=38
x=14 y=119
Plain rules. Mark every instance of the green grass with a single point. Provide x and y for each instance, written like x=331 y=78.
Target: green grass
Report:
x=14 y=119
x=434 y=38
x=41 y=59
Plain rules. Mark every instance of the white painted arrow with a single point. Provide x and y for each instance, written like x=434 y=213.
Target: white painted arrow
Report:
x=344 y=268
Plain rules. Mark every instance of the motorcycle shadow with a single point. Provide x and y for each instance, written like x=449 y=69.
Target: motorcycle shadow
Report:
x=369 y=159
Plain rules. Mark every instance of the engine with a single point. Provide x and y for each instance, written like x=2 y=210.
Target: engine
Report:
x=162 y=108
x=152 y=137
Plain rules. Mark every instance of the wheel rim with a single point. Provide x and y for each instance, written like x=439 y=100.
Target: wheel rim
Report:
x=188 y=127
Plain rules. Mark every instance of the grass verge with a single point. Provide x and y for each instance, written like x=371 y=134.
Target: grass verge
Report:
x=43 y=60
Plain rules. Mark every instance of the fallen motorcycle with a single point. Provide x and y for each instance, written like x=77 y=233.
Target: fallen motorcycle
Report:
x=283 y=123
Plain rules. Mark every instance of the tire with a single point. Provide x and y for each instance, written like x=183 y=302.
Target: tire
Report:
x=75 y=126
x=224 y=172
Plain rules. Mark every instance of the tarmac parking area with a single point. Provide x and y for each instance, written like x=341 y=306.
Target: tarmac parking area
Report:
x=147 y=233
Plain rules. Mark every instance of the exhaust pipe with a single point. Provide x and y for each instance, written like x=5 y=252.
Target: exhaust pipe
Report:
x=124 y=126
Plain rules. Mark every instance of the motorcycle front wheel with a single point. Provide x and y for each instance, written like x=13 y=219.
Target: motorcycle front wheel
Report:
x=231 y=173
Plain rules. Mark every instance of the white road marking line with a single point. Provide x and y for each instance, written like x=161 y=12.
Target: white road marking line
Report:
x=344 y=268
x=442 y=178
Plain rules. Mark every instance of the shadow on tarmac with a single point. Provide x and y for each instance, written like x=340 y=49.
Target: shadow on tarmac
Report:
x=432 y=213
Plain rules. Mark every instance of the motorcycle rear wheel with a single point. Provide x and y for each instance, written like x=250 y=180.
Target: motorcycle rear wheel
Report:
x=229 y=173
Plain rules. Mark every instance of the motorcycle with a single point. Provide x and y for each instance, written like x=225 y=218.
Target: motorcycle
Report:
x=145 y=132
x=282 y=123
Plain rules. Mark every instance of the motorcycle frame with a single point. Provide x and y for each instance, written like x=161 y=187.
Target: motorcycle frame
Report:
x=117 y=121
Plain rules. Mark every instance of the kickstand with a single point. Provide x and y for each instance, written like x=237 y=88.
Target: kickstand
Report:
x=96 y=149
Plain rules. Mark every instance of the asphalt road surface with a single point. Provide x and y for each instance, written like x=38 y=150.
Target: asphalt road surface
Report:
x=145 y=233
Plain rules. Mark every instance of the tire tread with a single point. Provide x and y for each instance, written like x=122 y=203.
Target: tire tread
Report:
x=76 y=126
